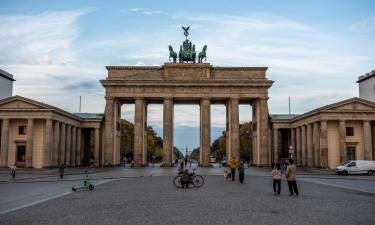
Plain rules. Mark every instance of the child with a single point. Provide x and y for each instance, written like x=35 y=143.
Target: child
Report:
x=276 y=176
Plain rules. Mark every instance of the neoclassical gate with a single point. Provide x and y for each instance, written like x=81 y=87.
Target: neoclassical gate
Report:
x=174 y=83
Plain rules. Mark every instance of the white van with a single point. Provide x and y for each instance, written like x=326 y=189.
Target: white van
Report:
x=356 y=167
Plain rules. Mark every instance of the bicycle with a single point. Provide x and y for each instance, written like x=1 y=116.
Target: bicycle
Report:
x=196 y=180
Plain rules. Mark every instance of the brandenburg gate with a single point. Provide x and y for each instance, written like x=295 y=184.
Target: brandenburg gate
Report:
x=186 y=82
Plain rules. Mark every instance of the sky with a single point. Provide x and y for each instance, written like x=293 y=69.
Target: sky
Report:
x=315 y=50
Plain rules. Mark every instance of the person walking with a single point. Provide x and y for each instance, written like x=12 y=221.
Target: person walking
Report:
x=241 y=172
x=13 y=171
x=291 y=177
x=276 y=177
x=61 y=170
x=233 y=166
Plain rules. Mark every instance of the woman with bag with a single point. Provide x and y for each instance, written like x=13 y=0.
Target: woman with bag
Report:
x=276 y=177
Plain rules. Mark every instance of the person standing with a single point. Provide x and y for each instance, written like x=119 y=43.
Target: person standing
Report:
x=185 y=178
x=13 y=171
x=276 y=177
x=241 y=172
x=61 y=170
x=233 y=165
x=291 y=177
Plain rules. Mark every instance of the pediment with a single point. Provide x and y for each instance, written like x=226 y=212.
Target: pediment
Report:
x=352 y=104
x=20 y=103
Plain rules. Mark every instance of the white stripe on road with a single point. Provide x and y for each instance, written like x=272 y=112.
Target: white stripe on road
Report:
x=339 y=186
x=44 y=200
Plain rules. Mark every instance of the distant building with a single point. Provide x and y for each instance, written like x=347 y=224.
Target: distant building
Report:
x=6 y=84
x=367 y=86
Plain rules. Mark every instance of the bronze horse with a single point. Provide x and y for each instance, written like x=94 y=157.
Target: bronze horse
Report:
x=202 y=54
x=172 y=54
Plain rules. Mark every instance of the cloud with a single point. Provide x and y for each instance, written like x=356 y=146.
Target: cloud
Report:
x=366 y=25
x=145 y=11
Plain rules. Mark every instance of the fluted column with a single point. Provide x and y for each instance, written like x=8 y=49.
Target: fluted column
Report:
x=310 y=151
x=298 y=146
x=293 y=142
x=73 y=151
x=316 y=138
x=4 y=143
x=263 y=132
x=234 y=130
x=96 y=147
x=167 y=131
x=342 y=137
x=323 y=144
x=79 y=147
x=68 y=143
x=29 y=143
x=276 y=147
x=109 y=131
x=62 y=143
x=139 y=129
x=56 y=143
x=205 y=132
x=304 y=146
x=367 y=140
x=48 y=135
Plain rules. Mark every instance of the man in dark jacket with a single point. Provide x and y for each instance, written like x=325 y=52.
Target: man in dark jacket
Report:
x=185 y=178
x=241 y=172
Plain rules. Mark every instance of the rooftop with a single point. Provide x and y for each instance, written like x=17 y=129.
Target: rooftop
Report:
x=366 y=76
x=6 y=75
x=90 y=115
x=283 y=116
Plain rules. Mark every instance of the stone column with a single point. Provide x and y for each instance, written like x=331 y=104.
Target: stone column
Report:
x=310 y=152
x=167 y=131
x=79 y=148
x=276 y=147
x=367 y=140
x=316 y=145
x=323 y=144
x=29 y=143
x=205 y=132
x=4 y=143
x=62 y=144
x=234 y=130
x=96 y=147
x=304 y=146
x=74 y=147
x=139 y=132
x=342 y=137
x=56 y=142
x=144 y=153
x=109 y=131
x=48 y=135
x=68 y=143
x=293 y=142
x=298 y=147
x=263 y=132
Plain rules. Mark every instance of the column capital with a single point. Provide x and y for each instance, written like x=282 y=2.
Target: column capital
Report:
x=168 y=98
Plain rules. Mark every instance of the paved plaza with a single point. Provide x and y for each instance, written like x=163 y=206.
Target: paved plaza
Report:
x=147 y=196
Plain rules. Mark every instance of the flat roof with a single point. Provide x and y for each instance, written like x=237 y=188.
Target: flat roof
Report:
x=90 y=115
x=366 y=76
x=283 y=116
x=6 y=75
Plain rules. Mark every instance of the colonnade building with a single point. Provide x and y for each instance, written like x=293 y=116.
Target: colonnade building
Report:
x=34 y=134
x=327 y=136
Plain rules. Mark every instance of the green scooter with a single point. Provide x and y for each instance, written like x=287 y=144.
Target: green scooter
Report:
x=87 y=185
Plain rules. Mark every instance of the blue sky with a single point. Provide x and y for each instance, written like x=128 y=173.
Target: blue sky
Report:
x=315 y=50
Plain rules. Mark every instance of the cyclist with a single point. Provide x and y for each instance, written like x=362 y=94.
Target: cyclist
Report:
x=185 y=178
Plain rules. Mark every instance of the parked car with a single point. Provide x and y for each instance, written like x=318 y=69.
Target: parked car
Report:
x=357 y=167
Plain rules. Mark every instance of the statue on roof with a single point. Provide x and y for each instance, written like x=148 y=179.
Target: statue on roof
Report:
x=187 y=51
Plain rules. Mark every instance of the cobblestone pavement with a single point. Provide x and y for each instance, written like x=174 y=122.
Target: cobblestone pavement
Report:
x=154 y=200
